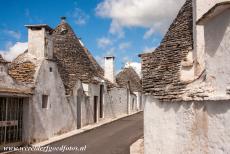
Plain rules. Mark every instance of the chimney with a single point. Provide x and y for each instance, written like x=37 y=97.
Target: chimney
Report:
x=40 y=41
x=109 y=68
x=63 y=19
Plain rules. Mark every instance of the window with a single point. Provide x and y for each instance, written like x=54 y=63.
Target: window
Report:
x=44 y=101
x=64 y=31
x=51 y=69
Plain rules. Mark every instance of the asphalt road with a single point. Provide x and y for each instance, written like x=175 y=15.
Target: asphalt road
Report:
x=112 y=138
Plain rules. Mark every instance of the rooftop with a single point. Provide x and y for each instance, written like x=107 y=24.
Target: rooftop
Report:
x=73 y=60
x=39 y=26
x=129 y=76
x=161 y=68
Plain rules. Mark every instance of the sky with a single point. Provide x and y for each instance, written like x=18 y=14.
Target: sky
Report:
x=122 y=28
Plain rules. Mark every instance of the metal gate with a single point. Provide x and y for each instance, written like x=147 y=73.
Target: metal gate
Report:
x=11 y=111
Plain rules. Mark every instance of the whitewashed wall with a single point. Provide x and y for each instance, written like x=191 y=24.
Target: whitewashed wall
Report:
x=116 y=103
x=217 y=49
x=187 y=127
x=204 y=5
x=6 y=80
x=200 y=7
x=139 y=98
x=133 y=104
x=94 y=90
x=60 y=116
x=109 y=69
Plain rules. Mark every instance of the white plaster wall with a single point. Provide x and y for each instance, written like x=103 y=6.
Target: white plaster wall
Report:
x=5 y=79
x=187 y=68
x=139 y=100
x=200 y=7
x=109 y=69
x=204 y=5
x=78 y=91
x=85 y=109
x=36 y=42
x=60 y=116
x=133 y=103
x=217 y=49
x=186 y=127
x=94 y=90
x=48 y=53
x=40 y=43
x=116 y=103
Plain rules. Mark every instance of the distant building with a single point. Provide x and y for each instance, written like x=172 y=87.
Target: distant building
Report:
x=128 y=77
x=186 y=81
x=54 y=87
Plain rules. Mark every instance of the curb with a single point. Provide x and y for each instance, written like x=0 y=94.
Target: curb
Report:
x=81 y=130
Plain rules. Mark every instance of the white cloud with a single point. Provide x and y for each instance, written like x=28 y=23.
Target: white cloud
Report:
x=104 y=42
x=156 y=15
x=31 y=17
x=100 y=61
x=149 y=49
x=14 y=50
x=79 y=16
x=149 y=33
x=116 y=29
x=110 y=52
x=135 y=65
x=124 y=45
x=11 y=33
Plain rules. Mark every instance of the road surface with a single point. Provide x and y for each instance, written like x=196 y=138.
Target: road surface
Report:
x=112 y=138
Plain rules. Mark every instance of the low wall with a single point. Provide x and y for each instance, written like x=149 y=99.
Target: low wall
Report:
x=186 y=127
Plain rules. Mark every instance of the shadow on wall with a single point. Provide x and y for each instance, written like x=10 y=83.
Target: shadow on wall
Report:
x=167 y=105
x=214 y=33
x=211 y=107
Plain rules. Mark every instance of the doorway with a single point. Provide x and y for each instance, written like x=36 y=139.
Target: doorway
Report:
x=11 y=116
x=101 y=100
x=95 y=108
x=78 y=112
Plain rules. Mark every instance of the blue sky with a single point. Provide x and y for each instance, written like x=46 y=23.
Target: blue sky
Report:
x=105 y=26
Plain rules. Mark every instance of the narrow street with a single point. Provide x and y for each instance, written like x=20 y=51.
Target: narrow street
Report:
x=113 y=138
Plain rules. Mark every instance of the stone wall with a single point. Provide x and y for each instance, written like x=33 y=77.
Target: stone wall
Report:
x=186 y=127
x=22 y=72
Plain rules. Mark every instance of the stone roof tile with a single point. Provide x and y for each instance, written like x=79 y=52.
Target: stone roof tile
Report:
x=22 y=69
x=73 y=60
x=161 y=68
x=129 y=76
